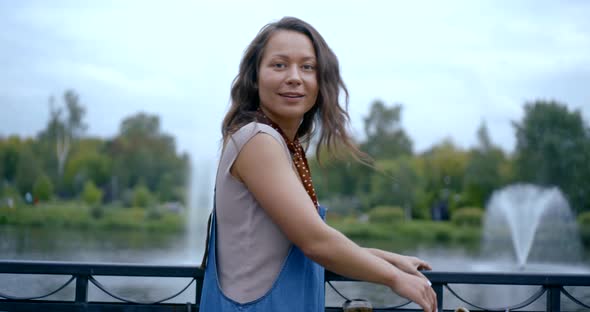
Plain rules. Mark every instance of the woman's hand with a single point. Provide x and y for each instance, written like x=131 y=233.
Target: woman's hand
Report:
x=410 y=283
x=408 y=264
x=411 y=265
x=416 y=289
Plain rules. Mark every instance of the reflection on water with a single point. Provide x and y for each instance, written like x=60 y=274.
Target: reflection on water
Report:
x=159 y=248
x=99 y=246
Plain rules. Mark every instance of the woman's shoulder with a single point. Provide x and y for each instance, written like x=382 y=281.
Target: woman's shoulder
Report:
x=253 y=128
x=234 y=144
x=248 y=131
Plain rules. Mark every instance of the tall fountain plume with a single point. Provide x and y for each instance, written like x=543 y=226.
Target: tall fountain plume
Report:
x=200 y=199
x=536 y=221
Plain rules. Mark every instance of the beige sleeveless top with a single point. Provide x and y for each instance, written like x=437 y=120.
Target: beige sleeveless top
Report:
x=251 y=249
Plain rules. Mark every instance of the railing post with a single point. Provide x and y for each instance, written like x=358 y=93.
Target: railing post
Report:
x=438 y=289
x=199 y=291
x=553 y=298
x=81 y=288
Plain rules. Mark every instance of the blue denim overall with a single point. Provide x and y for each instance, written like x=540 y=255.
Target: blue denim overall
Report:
x=298 y=287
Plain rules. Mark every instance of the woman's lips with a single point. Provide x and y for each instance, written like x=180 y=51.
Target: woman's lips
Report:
x=291 y=95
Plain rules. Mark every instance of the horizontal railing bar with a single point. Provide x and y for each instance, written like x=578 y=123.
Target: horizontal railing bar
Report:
x=339 y=309
x=88 y=268
x=124 y=269
x=66 y=306
x=495 y=278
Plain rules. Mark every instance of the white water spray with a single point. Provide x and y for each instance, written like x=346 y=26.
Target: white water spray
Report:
x=535 y=221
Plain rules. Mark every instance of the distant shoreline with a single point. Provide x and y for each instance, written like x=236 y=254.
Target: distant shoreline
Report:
x=76 y=215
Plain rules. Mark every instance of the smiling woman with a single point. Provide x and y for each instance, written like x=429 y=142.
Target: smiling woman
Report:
x=287 y=82
x=268 y=242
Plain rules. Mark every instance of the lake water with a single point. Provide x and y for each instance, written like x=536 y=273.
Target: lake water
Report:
x=158 y=248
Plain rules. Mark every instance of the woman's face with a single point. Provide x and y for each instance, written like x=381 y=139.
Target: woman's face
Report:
x=287 y=77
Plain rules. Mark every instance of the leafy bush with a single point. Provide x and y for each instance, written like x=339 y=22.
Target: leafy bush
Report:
x=91 y=194
x=141 y=197
x=93 y=197
x=43 y=188
x=584 y=219
x=468 y=217
x=386 y=214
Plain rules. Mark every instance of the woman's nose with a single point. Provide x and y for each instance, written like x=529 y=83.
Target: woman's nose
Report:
x=294 y=76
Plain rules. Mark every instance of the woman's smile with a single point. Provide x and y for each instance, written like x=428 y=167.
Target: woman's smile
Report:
x=292 y=97
x=287 y=79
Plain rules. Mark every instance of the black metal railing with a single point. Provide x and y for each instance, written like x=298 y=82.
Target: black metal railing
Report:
x=85 y=274
x=551 y=285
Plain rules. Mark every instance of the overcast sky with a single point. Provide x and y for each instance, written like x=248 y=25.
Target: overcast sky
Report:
x=453 y=64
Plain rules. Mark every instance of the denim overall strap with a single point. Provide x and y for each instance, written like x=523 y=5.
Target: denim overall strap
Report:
x=298 y=287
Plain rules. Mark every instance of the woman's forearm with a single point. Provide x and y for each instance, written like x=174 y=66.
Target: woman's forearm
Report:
x=337 y=253
x=385 y=255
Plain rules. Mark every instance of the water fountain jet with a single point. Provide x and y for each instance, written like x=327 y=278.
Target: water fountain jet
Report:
x=537 y=222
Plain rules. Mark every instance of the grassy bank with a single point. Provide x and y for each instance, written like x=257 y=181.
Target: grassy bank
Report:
x=410 y=233
x=420 y=232
x=77 y=215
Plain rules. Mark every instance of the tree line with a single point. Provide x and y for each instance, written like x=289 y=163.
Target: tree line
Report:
x=138 y=166
x=552 y=149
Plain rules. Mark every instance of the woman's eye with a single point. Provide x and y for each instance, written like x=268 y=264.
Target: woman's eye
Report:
x=280 y=65
x=308 y=67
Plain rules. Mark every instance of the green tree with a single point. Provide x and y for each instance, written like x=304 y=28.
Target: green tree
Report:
x=91 y=194
x=385 y=137
x=43 y=188
x=443 y=167
x=62 y=132
x=168 y=190
x=142 y=197
x=553 y=149
x=87 y=163
x=9 y=158
x=336 y=178
x=143 y=153
x=342 y=184
x=483 y=173
x=395 y=184
x=27 y=170
x=349 y=183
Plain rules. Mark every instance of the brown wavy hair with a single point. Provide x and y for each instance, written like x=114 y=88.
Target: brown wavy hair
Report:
x=327 y=114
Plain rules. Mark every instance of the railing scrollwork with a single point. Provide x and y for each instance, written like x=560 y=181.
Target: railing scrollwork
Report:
x=85 y=274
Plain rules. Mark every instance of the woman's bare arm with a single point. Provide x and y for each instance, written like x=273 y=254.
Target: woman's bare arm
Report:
x=265 y=170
